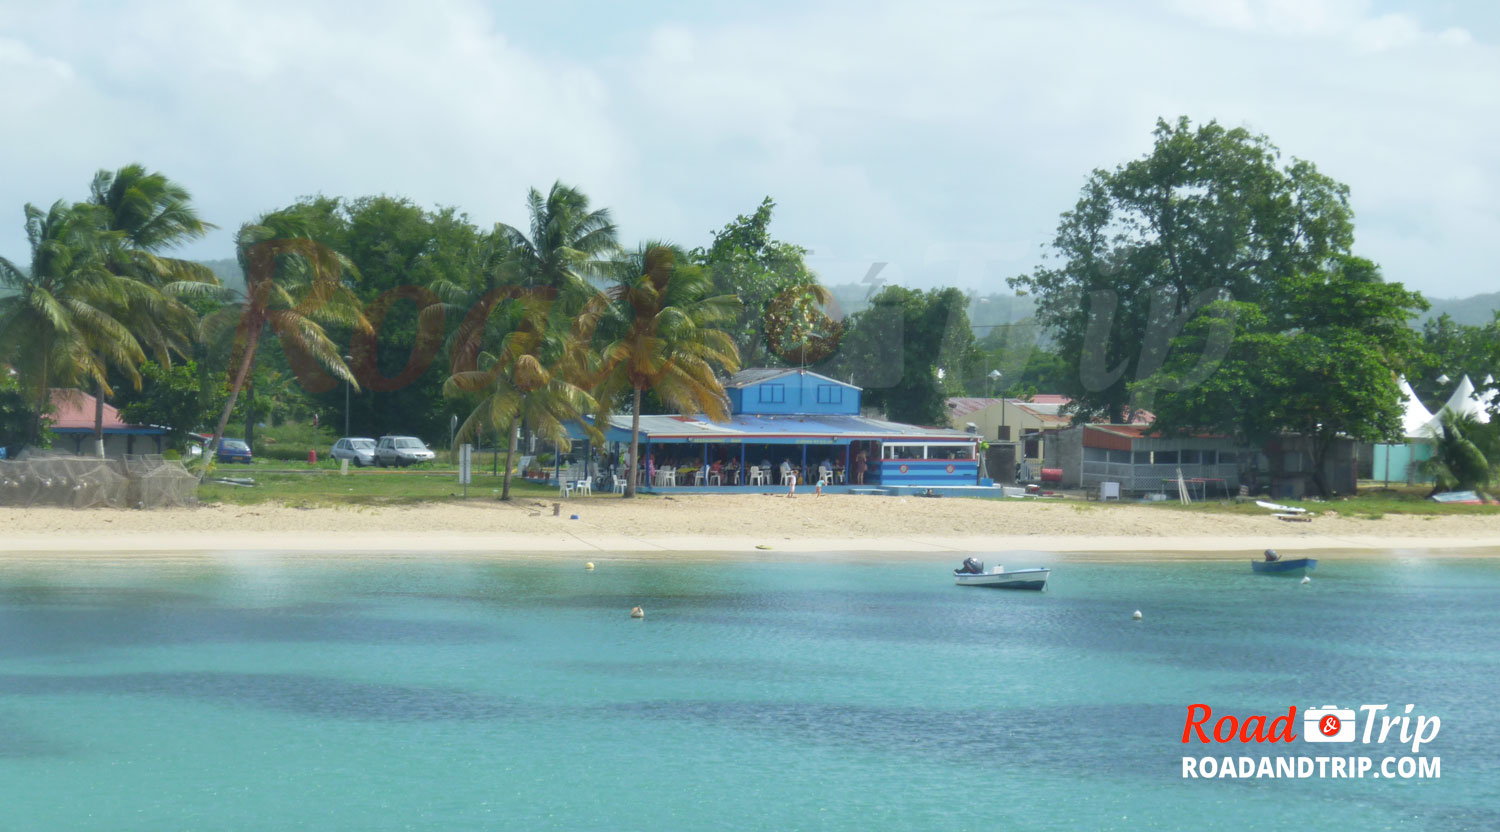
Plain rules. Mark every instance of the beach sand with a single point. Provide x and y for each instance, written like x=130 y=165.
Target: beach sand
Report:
x=745 y=526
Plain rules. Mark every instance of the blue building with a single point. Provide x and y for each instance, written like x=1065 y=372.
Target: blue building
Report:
x=787 y=423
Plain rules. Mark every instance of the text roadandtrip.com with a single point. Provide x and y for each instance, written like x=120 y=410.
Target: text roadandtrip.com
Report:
x=1318 y=725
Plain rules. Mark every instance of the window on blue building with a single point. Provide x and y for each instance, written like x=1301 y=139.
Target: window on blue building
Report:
x=830 y=394
x=772 y=393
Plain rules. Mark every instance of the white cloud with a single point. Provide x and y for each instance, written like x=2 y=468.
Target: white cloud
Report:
x=944 y=139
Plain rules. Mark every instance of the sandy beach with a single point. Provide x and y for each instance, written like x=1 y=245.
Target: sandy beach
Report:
x=760 y=526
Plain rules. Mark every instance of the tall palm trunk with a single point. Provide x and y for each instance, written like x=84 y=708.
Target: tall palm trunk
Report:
x=510 y=458
x=635 y=442
x=234 y=392
x=250 y=412
x=99 y=419
x=43 y=406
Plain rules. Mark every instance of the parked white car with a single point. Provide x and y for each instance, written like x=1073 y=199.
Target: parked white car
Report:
x=359 y=450
x=401 y=451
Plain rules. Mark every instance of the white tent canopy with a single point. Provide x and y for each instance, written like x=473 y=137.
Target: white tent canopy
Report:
x=1465 y=402
x=1417 y=418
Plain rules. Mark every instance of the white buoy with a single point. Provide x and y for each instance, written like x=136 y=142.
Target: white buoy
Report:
x=1136 y=616
x=589 y=566
x=1306 y=580
x=637 y=612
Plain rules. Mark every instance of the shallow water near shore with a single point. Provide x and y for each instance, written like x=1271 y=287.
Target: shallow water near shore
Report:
x=247 y=693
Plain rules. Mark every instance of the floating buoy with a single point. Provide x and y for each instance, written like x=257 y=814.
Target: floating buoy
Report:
x=1136 y=616
x=1306 y=580
x=637 y=612
x=589 y=566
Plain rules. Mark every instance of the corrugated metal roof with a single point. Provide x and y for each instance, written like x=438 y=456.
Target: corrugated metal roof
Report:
x=755 y=375
x=961 y=406
x=746 y=427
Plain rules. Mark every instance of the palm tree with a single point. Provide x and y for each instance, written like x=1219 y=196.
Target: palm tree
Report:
x=59 y=325
x=662 y=330
x=292 y=285
x=1457 y=463
x=149 y=213
x=567 y=242
x=526 y=381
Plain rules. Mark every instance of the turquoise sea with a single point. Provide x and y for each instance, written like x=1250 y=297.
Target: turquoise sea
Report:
x=264 y=693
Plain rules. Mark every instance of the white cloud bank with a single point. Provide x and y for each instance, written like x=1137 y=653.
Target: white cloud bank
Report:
x=943 y=139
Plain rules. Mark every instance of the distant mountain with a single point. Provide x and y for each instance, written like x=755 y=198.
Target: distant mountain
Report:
x=1474 y=311
x=227 y=271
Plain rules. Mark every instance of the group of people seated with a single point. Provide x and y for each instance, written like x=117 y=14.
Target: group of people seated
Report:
x=728 y=471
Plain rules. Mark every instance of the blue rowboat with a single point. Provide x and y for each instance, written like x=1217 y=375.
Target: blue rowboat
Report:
x=1291 y=567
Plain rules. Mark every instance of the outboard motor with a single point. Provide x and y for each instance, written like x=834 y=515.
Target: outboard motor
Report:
x=1271 y=556
x=971 y=566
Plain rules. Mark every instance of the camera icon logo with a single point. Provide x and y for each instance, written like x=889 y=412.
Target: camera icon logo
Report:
x=1328 y=724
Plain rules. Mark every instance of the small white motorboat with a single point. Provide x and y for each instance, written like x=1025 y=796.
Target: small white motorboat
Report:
x=973 y=573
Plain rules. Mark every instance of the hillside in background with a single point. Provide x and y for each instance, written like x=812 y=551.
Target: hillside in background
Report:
x=227 y=271
x=1473 y=311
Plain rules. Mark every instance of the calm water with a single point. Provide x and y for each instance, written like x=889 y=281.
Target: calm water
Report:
x=449 y=695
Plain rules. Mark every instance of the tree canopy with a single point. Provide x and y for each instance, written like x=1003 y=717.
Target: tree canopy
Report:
x=1210 y=214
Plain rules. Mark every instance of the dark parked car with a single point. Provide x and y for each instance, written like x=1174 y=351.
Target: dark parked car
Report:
x=233 y=450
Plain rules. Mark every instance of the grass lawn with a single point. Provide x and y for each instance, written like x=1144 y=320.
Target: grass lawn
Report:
x=324 y=486
x=1373 y=502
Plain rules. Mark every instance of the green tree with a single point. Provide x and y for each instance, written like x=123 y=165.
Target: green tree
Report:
x=1318 y=358
x=15 y=415
x=292 y=287
x=1209 y=214
x=399 y=254
x=910 y=350
x=147 y=214
x=1454 y=350
x=175 y=397
x=745 y=261
x=567 y=242
x=58 y=327
x=662 y=329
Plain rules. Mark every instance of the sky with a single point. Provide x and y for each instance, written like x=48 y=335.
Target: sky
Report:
x=941 y=138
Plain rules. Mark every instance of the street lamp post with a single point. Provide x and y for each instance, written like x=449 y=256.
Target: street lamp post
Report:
x=347 y=359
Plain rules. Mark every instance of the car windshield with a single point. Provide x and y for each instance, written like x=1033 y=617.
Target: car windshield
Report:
x=409 y=443
x=361 y=444
x=234 y=445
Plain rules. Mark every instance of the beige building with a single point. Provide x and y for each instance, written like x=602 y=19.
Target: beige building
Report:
x=1011 y=420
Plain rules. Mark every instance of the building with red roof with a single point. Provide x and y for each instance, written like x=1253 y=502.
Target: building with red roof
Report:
x=72 y=420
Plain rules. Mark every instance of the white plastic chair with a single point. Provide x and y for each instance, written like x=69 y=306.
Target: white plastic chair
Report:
x=700 y=476
x=825 y=476
x=757 y=476
x=565 y=489
x=619 y=484
x=584 y=487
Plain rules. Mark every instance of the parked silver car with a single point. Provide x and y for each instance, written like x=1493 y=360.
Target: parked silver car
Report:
x=402 y=451
x=359 y=450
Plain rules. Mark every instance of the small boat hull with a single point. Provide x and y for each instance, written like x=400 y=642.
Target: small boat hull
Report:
x=1034 y=579
x=1290 y=567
